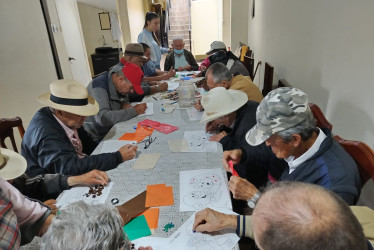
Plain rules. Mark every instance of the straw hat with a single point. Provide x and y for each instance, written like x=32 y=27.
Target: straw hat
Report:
x=220 y=102
x=12 y=165
x=70 y=96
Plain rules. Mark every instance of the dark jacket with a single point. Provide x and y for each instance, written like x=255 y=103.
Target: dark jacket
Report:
x=48 y=149
x=170 y=61
x=251 y=169
x=332 y=168
x=42 y=187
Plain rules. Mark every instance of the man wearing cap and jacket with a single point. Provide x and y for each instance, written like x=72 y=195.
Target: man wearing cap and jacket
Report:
x=111 y=90
x=56 y=142
x=286 y=124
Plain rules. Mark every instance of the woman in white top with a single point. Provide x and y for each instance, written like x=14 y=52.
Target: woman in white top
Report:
x=147 y=36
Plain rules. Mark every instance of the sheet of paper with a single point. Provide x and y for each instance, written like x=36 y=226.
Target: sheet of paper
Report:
x=146 y=161
x=110 y=146
x=137 y=228
x=159 y=195
x=198 y=141
x=194 y=114
x=203 y=188
x=178 y=145
x=157 y=243
x=185 y=238
x=81 y=194
x=151 y=215
x=172 y=85
x=149 y=110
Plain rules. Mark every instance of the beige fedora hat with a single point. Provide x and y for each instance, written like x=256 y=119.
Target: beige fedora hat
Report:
x=220 y=102
x=70 y=96
x=12 y=165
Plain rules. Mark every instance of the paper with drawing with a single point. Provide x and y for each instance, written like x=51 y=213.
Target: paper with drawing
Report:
x=198 y=141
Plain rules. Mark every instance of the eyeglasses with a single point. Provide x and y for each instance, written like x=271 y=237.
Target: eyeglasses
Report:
x=148 y=142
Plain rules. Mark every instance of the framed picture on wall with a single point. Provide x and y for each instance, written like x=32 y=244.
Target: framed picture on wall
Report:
x=104 y=20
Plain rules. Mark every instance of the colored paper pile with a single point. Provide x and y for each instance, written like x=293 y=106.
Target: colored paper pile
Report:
x=159 y=195
x=139 y=135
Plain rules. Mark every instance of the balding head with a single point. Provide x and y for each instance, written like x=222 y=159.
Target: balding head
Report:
x=293 y=215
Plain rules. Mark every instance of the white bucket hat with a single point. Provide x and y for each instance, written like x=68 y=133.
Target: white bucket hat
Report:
x=216 y=45
x=70 y=96
x=220 y=102
x=12 y=165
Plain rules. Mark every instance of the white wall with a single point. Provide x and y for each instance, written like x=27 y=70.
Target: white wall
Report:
x=239 y=22
x=26 y=63
x=226 y=22
x=205 y=25
x=136 y=15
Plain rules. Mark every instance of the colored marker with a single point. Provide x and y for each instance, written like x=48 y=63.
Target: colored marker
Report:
x=233 y=171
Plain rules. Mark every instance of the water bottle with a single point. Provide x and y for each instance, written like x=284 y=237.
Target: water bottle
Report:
x=186 y=94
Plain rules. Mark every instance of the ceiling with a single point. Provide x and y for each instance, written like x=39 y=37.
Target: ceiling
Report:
x=109 y=5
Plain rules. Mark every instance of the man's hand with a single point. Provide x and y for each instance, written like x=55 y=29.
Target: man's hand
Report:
x=241 y=189
x=188 y=68
x=145 y=248
x=140 y=108
x=126 y=105
x=209 y=220
x=163 y=86
x=218 y=137
x=153 y=83
x=52 y=205
x=198 y=105
x=172 y=72
x=232 y=155
x=180 y=68
x=211 y=126
x=94 y=177
x=202 y=68
x=128 y=152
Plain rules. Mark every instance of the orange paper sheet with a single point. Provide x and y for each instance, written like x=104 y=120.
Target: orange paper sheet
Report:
x=151 y=215
x=159 y=195
x=139 y=135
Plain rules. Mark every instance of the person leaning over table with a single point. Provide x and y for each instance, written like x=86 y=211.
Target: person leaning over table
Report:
x=147 y=35
x=218 y=75
x=21 y=218
x=56 y=142
x=111 y=90
x=151 y=73
x=287 y=126
x=83 y=226
x=132 y=55
x=180 y=59
x=293 y=216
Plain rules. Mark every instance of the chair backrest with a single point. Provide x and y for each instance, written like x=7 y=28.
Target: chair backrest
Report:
x=322 y=122
x=6 y=130
x=268 y=79
x=283 y=83
x=363 y=156
x=249 y=64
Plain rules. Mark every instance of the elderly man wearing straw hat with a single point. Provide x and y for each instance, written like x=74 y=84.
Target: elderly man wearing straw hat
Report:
x=287 y=126
x=32 y=217
x=56 y=142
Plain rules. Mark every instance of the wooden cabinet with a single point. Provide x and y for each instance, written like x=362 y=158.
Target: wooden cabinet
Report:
x=103 y=61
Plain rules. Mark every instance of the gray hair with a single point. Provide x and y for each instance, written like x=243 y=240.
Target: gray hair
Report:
x=308 y=216
x=219 y=72
x=305 y=129
x=117 y=69
x=83 y=226
x=177 y=38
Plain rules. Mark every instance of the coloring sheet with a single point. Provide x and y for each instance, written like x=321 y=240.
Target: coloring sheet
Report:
x=172 y=85
x=157 y=243
x=194 y=114
x=185 y=238
x=91 y=195
x=149 y=110
x=110 y=146
x=198 y=141
x=203 y=188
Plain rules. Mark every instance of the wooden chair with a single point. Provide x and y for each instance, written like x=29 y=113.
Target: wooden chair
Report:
x=249 y=64
x=268 y=79
x=6 y=130
x=363 y=156
x=322 y=122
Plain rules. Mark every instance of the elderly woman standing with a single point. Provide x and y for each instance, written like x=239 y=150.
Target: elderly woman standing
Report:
x=148 y=36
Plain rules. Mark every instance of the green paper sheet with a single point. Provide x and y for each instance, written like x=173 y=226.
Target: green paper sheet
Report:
x=137 y=228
